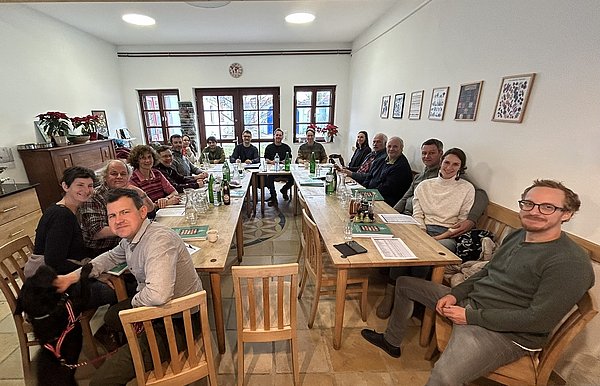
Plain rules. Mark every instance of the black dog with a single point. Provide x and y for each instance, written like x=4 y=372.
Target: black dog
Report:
x=55 y=320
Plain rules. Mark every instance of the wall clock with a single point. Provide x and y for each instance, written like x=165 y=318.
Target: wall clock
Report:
x=236 y=70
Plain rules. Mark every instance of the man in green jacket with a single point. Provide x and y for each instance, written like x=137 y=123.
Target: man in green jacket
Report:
x=510 y=307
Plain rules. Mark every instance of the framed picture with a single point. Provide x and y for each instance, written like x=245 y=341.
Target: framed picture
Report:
x=416 y=102
x=103 y=124
x=468 y=101
x=385 y=107
x=437 y=107
x=398 y=106
x=512 y=98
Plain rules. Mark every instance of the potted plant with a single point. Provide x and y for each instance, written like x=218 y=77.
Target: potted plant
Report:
x=328 y=131
x=56 y=125
x=88 y=126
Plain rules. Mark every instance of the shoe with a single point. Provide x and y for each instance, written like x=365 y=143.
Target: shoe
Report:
x=108 y=338
x=385 y=307
x=272 y=201
x=285 y=195
x=378 y=340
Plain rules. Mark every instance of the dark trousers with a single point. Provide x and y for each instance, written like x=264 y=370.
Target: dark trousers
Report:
x=270 y=184
x=119 y=368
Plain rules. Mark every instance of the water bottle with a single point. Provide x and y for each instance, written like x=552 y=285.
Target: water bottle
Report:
x=277 y=162
x=240 y=168
x=217 y=193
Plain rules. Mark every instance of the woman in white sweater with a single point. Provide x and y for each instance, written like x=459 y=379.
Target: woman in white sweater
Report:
x=443 y=201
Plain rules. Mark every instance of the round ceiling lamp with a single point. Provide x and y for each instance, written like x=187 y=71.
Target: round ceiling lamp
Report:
x=136 y=19
x=208 y=4
x=300 y=18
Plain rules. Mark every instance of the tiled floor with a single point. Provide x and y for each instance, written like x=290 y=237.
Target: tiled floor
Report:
x=357 y=363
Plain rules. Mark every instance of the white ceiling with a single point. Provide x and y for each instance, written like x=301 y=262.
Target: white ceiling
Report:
x=239 y=22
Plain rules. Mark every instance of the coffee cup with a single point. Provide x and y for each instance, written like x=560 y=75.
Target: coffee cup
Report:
x=212 y=235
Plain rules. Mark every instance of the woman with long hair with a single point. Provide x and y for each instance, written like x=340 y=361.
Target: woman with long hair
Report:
x=362 y=151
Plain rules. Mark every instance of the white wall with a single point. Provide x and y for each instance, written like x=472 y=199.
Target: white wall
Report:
x=49 y=66
x=435 y=43
x=285 y=72
x=448 y=43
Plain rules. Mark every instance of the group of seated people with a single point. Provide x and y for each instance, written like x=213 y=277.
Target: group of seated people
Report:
x=110 y=224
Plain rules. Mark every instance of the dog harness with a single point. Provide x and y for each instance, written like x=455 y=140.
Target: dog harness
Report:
x=70 y=326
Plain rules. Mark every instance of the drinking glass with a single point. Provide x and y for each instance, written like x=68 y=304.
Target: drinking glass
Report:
x=348 y=230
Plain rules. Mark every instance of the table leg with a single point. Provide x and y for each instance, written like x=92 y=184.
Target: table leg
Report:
x=254 y=190
x=215 y=286
x=437 y=275
x=239 y=239
x=340 y=303
x=295 y=199
x=262 y=194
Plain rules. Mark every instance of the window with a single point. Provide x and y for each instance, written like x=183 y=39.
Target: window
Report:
x=226 y=113
x=160 y=114
x=312 y=104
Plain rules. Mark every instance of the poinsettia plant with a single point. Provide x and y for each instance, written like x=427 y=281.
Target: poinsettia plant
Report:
x=87 y=124
x=329 y=130
x=54 y=123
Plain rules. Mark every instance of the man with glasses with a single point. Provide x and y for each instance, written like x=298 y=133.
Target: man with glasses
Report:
x=509 y=308
x=179 y=182
x=379 y=144
x=245 y=151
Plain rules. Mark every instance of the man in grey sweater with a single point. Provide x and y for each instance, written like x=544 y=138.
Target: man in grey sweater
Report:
x=511 y=306
x=161 y=264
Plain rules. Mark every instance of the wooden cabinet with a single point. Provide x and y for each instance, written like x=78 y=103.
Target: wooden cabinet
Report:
x=19 y=213
x=45 y=166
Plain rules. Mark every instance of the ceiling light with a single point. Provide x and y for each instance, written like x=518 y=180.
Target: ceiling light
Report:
x=208 y=4
x=300 y=18
x=134 y=18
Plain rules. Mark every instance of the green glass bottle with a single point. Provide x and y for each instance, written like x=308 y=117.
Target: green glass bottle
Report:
x=287 y=162
x=226 y=172
x=312 y=164
x=211 y=182
x=330 y=182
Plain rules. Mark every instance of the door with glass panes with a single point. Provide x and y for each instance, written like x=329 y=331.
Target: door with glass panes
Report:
x=226 y=113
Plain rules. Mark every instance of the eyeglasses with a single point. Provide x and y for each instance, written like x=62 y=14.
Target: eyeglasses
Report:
x=544 y=208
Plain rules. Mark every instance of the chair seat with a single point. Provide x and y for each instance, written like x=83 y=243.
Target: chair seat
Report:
x=521 y=371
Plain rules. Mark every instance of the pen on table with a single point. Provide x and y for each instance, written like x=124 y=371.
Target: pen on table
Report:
x=189 y=246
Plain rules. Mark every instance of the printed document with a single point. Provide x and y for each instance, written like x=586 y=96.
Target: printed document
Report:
x=393 y=249
x=397 y=218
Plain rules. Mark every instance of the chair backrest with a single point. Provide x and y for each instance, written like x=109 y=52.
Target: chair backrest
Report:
x=185 y=366
x=313 y=256
x=265 y=301
x=564 y=334
x=13 y=256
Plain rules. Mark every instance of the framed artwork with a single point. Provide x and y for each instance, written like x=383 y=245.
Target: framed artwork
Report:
x=416 y=102
x=468 y=101
x=437 y=107
x=385 y=107
x=103 y=124
x=398 y=106
x=512 y=98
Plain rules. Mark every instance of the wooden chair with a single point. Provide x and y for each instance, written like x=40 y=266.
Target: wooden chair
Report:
x=533 y=369
x=324 y=275
x=194 y=362
x=303 y=205
x=13 y=256
x=266 y=311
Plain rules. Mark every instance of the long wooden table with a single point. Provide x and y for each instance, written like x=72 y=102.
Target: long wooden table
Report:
x=212 y=257
x=330 y=218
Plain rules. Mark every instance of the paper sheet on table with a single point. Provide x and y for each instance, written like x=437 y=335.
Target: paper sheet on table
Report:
x=392 y=249
x=192 y=248
x=171 y=212
x=397 y=218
